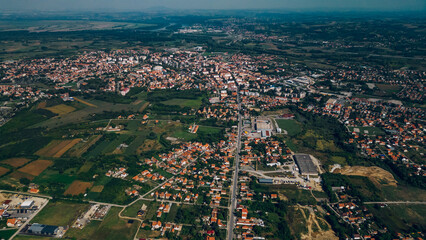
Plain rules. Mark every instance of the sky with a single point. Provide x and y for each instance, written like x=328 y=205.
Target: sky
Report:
x=139 y=5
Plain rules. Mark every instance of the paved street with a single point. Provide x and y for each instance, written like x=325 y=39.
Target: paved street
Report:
x=231 y=218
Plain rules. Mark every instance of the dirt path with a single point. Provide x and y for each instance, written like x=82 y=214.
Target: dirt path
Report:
x=312 y=219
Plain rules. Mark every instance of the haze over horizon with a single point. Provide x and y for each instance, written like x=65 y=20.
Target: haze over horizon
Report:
x=138 y=5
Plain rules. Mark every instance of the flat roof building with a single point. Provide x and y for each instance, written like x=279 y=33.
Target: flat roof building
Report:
x=305 y=164
x=27 y=204
x=41 y=229
x=266 y=180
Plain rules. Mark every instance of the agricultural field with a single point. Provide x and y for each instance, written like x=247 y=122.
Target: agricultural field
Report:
x=67 y=26
x=57 y=148
x=78 y=187
x=15 y=162
x=35 y=168
x=3 y=171
x=61 y=109
x=55 y=178
x=80 y=148
x=90 y=107
x=60 y=213
x=192 y=103
x=86 y=167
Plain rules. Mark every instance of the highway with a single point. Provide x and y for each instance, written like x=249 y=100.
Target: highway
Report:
x=231 y=218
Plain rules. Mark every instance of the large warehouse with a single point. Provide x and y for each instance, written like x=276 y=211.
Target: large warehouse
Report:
x=305 y=164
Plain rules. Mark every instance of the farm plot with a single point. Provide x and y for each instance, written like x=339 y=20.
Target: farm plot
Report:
x=79 y=149
x=57 y=148
x=3 y=171
x=78 y=187
x=61 y=109
x=15 y=162
x=36 y=167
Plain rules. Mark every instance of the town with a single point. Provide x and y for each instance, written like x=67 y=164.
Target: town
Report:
x=223 y=131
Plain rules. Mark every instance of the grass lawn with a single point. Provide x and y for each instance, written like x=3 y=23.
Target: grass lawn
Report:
x=209 y=130
x=132 y=210
x=6 y=234
x=291 y=126
x=339 y=160
x=371 y=131
x=23 y=237
x=172 y=214
x=60 y=213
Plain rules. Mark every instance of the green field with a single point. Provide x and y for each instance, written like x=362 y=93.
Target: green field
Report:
x=390 y=89
x=401 y=218
x=291 y=126
x=132 y=210
x=60 y=213
x=24 y=237
x=112 y=227
x=192 y=103
x=6 y=234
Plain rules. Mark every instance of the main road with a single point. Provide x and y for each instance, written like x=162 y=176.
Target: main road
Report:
x=231 y=218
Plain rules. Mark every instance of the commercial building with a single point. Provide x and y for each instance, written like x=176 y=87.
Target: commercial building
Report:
x=40 y=229
x=305 y=164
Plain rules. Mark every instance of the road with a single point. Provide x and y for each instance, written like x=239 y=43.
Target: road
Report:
x=29 y=219
x=231 y=218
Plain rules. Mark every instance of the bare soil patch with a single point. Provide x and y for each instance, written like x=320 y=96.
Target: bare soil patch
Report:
x=3 y=171
x=377 y=175
x=36 y=167
x=15 y=162
x=57 y=148
x=78 y=187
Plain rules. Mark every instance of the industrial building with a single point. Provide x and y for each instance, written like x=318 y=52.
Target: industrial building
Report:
x=305 y=164
x=266 y=180
x=27 y=204
x=40 y=229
